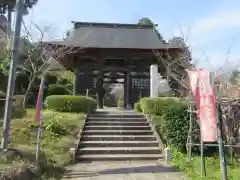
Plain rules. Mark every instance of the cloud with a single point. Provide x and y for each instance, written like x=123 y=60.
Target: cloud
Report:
x=218 y=21
x=213 y=34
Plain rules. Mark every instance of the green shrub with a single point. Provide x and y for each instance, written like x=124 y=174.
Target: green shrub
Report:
x=57 y=89
x=4 y=81
x=171 y=117
x=67 y=103
x=22 y=82
x=63 y=81
x=50 y=79
x=55 y=129
x=69 y=86
x=17 y=109
x=2 y=103
x=156 y=106
x=172 y=122
x=137 y=107
x=175 y=125
x=120 y=104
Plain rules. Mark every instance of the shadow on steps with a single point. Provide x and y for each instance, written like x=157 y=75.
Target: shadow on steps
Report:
x=141 y=169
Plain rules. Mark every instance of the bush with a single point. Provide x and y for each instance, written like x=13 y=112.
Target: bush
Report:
x=17 y=109
x=69 y=86
x=22 y=82
x=2 y=103
x=55 y=128
x=175 y=125
x=67 y=103
x=50 y=79
x=171 y=117
x=137 y=107
x=120 y=104
x=63 y=81
x=156 y=106
x=57 y=89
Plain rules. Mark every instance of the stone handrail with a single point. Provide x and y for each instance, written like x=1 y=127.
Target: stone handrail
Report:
x=73 y=150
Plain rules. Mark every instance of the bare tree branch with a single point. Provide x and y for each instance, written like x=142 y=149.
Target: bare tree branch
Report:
x=41 y=57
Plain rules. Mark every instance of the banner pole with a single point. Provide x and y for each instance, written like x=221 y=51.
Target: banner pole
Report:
x=189 y=145
x=38 y=143
x=223 y=167
x=203 y=168
x=39 y=118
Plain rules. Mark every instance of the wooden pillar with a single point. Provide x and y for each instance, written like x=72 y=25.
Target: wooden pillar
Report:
x=101 y=94
x=75 y=80
x=153 y=80
x=127 y=90
x=75 y=84
x=100 y=91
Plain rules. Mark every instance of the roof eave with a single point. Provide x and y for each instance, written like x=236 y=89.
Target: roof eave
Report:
x=64 y=43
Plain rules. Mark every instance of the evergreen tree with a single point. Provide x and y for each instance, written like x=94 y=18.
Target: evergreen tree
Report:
x=147 y=21
x=5 y=5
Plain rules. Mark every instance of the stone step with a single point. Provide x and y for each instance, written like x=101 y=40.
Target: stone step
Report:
x=117 y=132
x=117 y=128
x=118 y=144
x=119 y=150
x=118 y=138
x=115 y=119
x=114 y=123
x=116 y=115
x=118 y=157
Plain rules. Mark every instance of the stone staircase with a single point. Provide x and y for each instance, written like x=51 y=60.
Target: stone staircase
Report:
x=122 y=136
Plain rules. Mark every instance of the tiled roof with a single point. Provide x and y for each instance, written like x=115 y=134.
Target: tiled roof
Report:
x=106 y=35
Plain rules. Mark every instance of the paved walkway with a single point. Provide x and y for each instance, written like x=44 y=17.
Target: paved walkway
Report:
x=114 y=110
x=135 y=170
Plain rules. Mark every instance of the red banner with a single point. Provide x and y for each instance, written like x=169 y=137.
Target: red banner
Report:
x=203 y=92
x=193 y=78
x=38 y=115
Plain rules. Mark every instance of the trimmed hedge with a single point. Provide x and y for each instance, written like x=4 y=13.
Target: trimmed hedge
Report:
x=172 y=122
x=68 y=103
x=156 y=106
x=137 y=107
x=57 y=89
x=175 y=125
x=171 y=117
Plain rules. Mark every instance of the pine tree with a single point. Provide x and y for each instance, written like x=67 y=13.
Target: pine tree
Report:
x=5 y=5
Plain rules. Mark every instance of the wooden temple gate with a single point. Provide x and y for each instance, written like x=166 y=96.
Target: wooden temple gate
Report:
x=114 y=51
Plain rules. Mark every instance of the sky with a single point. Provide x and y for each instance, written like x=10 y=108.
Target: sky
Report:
x=210 y=27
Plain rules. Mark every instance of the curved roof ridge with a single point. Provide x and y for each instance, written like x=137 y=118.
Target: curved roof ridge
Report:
x=111 y=25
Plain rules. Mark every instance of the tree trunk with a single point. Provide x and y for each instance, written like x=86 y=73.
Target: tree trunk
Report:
x=25 y=99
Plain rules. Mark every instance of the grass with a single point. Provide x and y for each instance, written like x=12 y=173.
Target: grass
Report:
x=59 y=135
x=192 y=169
